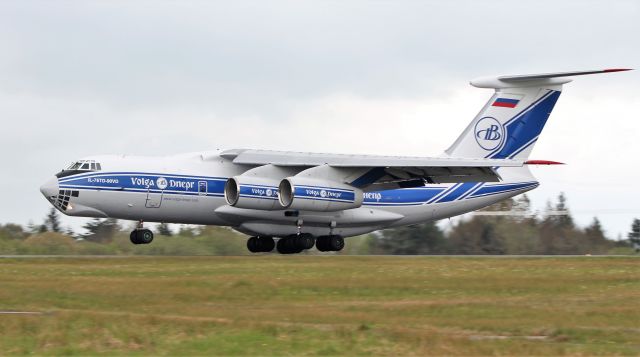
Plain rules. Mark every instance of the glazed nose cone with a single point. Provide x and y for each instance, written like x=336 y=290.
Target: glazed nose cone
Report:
x=50 y=188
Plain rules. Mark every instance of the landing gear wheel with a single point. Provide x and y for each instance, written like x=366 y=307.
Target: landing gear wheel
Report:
x=260 y=244
x=141 y=236
x=288 y=245
x=252 y=245
x=304 y=241
x=329 y=243
x=336 y=243
x=282 y=246
x=321 y=243
x=267 y=244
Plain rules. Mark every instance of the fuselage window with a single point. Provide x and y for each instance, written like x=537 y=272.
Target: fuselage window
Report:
x=98 y=167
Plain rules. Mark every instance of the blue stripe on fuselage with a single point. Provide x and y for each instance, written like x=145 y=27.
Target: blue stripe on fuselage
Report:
x=146 y=182
x=462 y=189
x=501 y=188
x=402 y=196
x=189 y=185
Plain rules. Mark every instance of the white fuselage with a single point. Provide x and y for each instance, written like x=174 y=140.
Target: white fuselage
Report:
x=189 y=189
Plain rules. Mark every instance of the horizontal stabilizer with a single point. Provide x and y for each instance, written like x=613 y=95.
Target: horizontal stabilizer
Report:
x=534 y=80
x=528 y=77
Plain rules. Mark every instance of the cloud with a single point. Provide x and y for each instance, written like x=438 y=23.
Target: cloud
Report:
x=82 y=78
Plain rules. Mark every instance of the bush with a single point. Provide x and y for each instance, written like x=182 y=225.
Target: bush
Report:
x=49 y=243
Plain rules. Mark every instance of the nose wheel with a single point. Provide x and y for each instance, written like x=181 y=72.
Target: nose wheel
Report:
x=141 y=236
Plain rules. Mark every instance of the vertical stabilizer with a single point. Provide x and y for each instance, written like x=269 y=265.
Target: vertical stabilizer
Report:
x=509 y=125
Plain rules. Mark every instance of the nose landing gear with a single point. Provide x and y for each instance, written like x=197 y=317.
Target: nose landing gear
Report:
x=141 y=235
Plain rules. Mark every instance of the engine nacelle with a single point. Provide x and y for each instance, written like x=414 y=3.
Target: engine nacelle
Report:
x=309 y=194
x=252 y=192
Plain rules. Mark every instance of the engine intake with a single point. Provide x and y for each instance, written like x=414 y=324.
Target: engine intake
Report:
x=302 y=193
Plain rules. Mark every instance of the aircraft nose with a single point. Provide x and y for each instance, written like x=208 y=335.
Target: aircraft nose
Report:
x=50 y=188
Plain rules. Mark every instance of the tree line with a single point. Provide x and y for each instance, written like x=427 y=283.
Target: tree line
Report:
x=508 y=227
x=521 y=232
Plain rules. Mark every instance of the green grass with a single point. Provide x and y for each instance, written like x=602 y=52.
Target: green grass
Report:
x=321 y=305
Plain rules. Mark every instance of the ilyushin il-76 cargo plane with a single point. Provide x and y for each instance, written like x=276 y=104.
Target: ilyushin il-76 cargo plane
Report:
x=309 y=199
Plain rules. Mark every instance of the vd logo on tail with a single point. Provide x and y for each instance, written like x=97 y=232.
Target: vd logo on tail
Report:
x=489 y=133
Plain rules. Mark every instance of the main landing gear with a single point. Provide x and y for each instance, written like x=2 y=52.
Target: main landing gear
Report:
x=141 y=235
x=295 y=243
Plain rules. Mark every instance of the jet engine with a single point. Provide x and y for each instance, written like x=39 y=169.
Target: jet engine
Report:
x=310 y=194
x=252 y=192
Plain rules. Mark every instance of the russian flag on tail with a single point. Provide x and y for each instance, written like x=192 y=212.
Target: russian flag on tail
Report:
x=505 y=102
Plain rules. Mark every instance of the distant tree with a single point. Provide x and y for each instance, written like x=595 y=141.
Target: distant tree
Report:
x=187 y=231
x=101 y=230
x=563 y=220
x=69 y=231
x=477 y=236
x=164 y=230
x=558 y=234
x=52 y=221
x=32 y=228
x=522 y=204
x=12 y=231
x=190 y=230
x=634 y=234
x=595 y=238
x=426 y=238
x=490 y=243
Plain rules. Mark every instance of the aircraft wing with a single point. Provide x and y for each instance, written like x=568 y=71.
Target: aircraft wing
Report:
x=382 y=171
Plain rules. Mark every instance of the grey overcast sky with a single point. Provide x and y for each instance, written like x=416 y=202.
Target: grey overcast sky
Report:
x=380 y=77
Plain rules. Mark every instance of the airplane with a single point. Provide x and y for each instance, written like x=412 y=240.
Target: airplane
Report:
x=313 y=199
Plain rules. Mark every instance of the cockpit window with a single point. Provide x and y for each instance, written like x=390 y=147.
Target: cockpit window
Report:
x=80 y=166
x=75 y=166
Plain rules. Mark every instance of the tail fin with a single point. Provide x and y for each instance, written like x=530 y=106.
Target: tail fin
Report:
x=509 y=124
